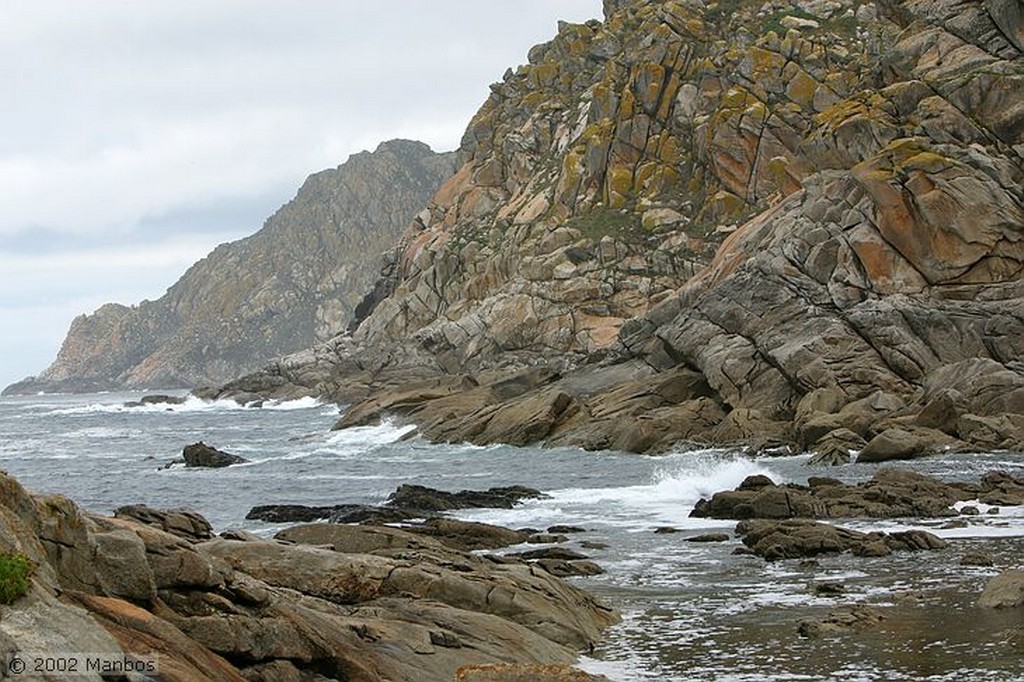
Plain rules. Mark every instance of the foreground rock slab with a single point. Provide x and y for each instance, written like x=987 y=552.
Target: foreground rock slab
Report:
x=352 y=603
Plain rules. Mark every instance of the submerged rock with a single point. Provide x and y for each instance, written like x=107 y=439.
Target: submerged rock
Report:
x=845 y=620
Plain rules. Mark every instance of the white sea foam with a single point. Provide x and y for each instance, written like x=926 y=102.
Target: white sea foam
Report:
x=366 y=437
x=666 y=500
x=192 y=404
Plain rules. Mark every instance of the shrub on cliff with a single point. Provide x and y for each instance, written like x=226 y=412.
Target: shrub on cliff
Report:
x=15 y=570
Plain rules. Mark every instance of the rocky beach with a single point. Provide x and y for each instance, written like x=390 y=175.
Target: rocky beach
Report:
x=699 y=359
x=397 y=579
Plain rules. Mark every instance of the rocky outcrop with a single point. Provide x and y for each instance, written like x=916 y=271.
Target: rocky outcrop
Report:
x=891 y=493
x=724 y=223
x=347 y=603
x=295 y=282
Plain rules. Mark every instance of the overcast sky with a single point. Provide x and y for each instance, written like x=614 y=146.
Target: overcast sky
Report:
x=139 y=135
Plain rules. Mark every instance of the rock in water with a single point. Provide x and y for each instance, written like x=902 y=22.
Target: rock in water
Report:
x=428 y=499
x=1006 y=590
x=202 y=455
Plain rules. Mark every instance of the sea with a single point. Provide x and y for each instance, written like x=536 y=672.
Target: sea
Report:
x=690 y=611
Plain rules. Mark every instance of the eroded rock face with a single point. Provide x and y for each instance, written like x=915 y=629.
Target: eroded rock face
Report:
x=375 y=603
x=295 y=282
x=713 y=226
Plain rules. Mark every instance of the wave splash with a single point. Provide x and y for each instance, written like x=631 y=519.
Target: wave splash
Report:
x=666 y=499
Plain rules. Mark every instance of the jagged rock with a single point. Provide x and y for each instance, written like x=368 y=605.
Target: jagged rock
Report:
x=902 y=443
x=1006 y=590
x=202 y=455
x=709 y=232
x=295 y=282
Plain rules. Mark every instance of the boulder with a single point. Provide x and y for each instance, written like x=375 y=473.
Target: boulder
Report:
x=976 y=559
x=202 y=455
x=905 y=443
x=1004 y=591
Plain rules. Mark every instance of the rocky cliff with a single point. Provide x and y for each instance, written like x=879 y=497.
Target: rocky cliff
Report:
x=295 y=282
x=734 y=222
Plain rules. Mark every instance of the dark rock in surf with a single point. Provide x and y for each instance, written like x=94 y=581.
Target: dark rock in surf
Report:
x=709 y=537
x=339 y=513
x=202 y=455
x=429 y=499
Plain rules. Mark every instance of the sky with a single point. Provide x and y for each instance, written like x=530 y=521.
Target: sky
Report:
x=139 y=135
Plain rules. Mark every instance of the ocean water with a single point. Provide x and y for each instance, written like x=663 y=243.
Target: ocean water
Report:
x=690 y=611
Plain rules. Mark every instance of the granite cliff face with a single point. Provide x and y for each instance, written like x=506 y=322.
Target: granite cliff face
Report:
x=295 y=282
x=747 y=222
